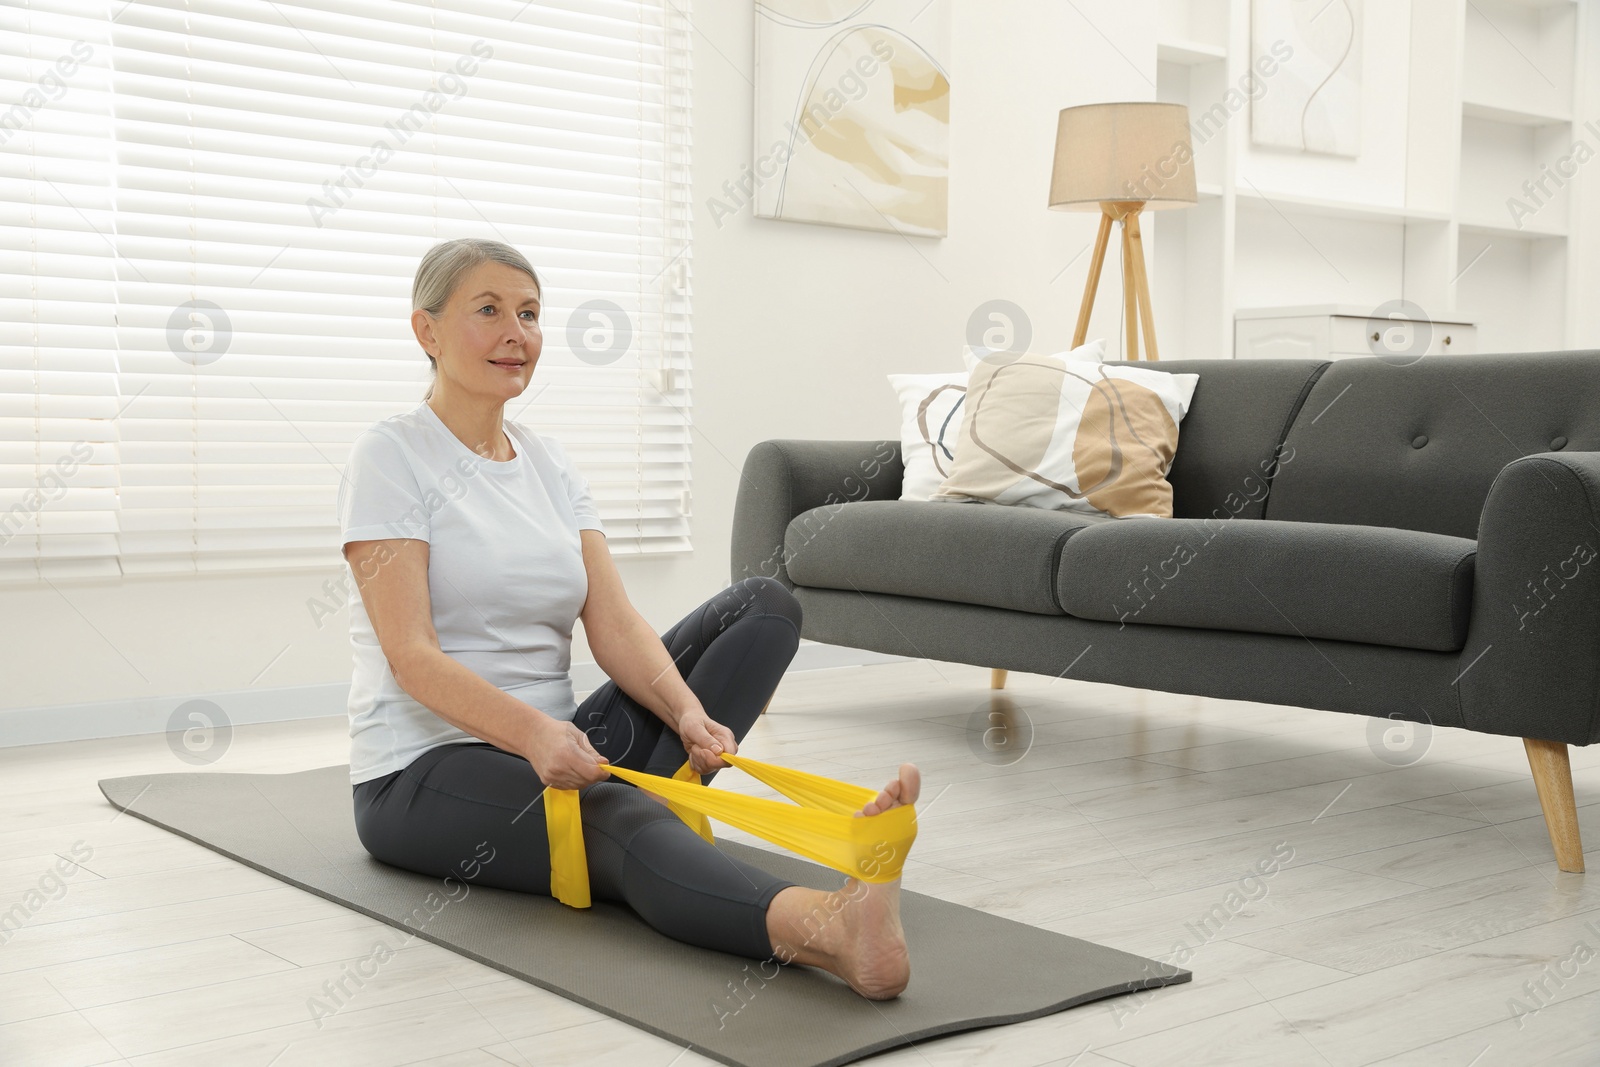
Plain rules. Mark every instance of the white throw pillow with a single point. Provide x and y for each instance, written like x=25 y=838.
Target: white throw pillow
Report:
x=930 y=418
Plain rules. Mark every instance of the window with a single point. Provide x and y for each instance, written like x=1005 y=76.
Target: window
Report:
x=213 y=213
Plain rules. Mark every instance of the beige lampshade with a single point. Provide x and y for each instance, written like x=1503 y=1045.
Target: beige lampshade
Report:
x=1123 y=151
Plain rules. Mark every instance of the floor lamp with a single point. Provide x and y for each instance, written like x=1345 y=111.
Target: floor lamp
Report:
x=1119 y=159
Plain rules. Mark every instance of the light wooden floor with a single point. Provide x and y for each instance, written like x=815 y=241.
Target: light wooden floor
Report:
x=1419 y=905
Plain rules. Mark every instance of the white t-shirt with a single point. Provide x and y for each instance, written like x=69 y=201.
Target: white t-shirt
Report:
x=505 y=572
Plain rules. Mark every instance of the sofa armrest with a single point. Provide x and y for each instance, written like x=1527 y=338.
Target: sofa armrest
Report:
x=1531 y=665
x=782 y=478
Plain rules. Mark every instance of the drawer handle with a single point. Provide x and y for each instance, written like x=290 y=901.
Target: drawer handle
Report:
x=1447 y=339
x=1377 y=337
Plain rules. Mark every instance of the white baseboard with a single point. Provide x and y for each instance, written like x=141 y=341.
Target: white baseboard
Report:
x=155 y=715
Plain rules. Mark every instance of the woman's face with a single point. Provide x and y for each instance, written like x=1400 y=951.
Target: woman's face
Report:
x=487 y=341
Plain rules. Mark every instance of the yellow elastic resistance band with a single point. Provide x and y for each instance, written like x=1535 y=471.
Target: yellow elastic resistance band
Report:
x=821 y=825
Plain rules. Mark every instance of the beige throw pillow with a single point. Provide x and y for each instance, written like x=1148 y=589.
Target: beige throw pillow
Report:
x=1045 y=432
x=930 y=417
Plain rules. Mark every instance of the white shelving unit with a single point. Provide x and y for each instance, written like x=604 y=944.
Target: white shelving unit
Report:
x=1467 y=100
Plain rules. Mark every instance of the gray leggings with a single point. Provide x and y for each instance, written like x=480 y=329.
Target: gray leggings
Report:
x=458 y=803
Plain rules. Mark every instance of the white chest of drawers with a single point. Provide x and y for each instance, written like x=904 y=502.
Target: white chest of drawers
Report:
x=1335 y=331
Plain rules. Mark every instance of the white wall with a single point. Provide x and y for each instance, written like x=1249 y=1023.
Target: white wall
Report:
x=795 y=327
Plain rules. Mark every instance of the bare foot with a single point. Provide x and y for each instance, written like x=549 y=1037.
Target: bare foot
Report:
x=853 y=932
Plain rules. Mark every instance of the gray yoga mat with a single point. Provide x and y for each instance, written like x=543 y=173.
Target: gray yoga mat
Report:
x=969 y=969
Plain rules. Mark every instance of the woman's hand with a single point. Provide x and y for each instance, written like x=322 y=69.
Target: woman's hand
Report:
x=705 y=741
x=562 y=756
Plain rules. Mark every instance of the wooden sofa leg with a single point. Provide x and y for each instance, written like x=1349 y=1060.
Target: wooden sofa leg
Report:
x=768 y=704
x=1552 y=776
x=997 y=678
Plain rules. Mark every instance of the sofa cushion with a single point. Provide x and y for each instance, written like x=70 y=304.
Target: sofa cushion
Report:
x=971 y=553
x=1417 y=446
x=1343 y=582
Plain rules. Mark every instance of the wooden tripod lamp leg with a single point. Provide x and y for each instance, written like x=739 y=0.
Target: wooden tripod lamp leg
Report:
x=1135 y=278
x=1100 y=242
x=1130 y=306
x=1139 y=282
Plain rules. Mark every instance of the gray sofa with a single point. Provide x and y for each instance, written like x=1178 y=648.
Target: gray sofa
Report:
x=1413 y=542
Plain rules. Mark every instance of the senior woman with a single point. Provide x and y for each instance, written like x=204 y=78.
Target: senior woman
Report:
x=474 y=544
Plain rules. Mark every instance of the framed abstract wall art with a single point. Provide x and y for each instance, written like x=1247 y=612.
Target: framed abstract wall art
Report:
x=852 y=115
x=1314 y=101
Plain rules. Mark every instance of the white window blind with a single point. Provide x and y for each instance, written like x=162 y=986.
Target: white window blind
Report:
x=58 y=295
x=211 y=233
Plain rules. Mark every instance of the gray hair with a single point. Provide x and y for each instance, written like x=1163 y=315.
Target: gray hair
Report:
x=443 y=267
